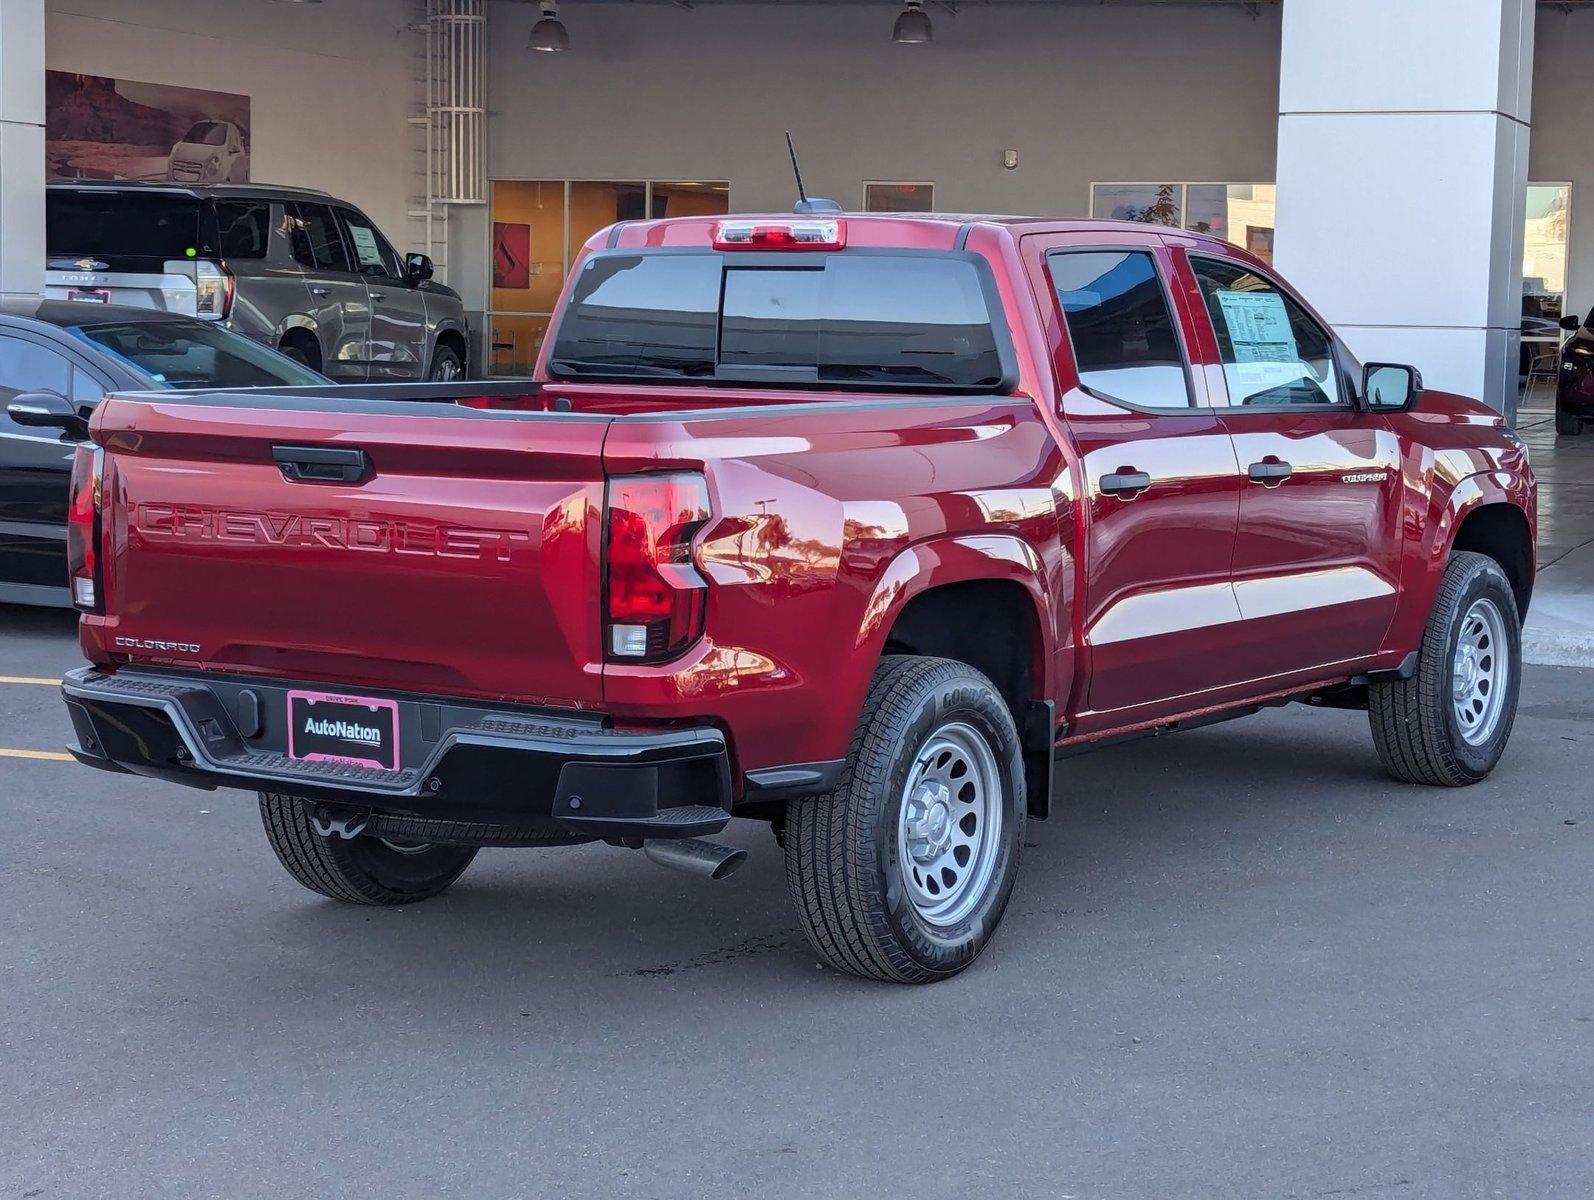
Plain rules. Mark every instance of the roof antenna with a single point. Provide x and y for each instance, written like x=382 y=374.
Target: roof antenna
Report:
x=804 y=205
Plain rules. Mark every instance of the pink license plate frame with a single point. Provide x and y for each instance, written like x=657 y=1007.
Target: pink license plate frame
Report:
x=317 y=751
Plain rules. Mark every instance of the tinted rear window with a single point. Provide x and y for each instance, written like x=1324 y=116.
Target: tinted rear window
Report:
x=114 y=224
x=911 y=321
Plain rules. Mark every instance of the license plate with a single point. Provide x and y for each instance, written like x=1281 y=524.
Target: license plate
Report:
x=89 y=295
x=325 y=727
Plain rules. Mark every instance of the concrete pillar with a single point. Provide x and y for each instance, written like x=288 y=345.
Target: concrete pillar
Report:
x=1402 y=180
x=21 y=147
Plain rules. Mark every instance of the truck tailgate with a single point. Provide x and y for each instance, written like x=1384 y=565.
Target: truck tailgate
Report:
x=461 y=553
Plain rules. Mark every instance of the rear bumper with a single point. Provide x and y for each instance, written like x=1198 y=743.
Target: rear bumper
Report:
x=463 y=762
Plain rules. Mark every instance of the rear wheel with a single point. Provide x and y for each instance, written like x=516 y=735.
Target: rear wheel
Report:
x=360 y=870
x=903 y=872
x=446 y=366
x=1566 y=424
x=303 y=349
x=1449 y=723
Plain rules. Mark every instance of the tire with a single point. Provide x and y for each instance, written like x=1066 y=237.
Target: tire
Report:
x=445 y=366
x=361 y=870
x=1424 y=730
x=299 y=355
x=1566 y=424
x=853 y=855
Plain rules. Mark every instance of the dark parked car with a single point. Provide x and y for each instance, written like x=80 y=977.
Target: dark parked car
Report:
x=1574 y=391
x=292 y=268
x=58 y=353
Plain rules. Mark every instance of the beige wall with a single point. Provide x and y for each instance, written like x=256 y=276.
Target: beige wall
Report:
x=1083 y=94
x=332 y=85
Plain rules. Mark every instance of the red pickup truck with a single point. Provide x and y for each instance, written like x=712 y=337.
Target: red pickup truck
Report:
x=850 y=524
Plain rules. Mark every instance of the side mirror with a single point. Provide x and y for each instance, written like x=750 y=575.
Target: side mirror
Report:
x=1390 y=387
x=48 y=410
x=417 y=268
x=1570 y=323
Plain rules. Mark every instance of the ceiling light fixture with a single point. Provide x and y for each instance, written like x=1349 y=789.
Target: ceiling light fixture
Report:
x=549 y=34
x=913 y=25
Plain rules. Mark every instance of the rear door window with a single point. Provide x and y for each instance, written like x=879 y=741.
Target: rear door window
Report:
x=1126 y=346
x=316 y=242
x=243 y=228
x=126 y=230
x=871 y=320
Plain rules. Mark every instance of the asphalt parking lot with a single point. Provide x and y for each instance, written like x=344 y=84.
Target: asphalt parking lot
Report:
x=1241 y=963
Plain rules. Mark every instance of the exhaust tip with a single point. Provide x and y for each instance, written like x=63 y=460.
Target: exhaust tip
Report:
x=695 y=856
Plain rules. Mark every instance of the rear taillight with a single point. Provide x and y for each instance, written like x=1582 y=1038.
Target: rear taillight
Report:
x=656 y=598
x=83 y=530
x=215 y=286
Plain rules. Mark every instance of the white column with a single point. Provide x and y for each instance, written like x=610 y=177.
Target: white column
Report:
x=21 y=147
x=1402 y=180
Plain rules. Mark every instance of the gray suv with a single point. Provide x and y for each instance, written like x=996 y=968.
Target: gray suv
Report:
x=293 y=268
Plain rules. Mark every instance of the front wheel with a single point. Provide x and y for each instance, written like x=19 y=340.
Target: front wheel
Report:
x=902 y=873
x=1448 y=724
x=1566 y=424
x=359 y=870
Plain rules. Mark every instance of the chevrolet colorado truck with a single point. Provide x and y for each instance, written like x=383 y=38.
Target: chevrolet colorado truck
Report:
x=849 y=524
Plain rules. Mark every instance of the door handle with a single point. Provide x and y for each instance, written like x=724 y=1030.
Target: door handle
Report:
x=323 y=293
x=378 y=297
x=1270 y=472
x=322 y=464
x=1125 y=482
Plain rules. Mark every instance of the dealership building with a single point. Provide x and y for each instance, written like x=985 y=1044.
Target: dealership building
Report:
x=1415 y=167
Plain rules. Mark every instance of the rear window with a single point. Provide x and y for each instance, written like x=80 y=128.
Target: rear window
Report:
x=114 y=224
x=904 y=321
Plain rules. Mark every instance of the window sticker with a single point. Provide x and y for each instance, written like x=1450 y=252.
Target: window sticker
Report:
x=1265 y=353
x=366 y=249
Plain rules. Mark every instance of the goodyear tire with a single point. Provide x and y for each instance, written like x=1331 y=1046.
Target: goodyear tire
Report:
x=902 y=873
x=1449 y=723
x=360 y=870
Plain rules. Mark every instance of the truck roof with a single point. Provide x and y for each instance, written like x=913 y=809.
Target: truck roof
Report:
x=935 y=230
x=239 y=191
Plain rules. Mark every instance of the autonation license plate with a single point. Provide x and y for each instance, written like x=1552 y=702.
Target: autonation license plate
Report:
x=324 y=727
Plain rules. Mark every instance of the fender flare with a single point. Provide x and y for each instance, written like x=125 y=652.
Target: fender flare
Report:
x=1426 y=559
x=297 y=321
x=976 y=558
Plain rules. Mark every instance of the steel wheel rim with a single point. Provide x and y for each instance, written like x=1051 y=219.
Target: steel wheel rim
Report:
x=447 y=371
x=405 y=847
x=949 y=824
x=1480 y=672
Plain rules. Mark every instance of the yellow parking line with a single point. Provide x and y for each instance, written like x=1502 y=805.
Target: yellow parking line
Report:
x=30 y=679
x=47 y=755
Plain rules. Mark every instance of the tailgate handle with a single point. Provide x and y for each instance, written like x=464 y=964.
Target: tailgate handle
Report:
x=322 y=464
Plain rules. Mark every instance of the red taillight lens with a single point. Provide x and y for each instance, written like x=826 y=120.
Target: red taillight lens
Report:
x=657 y=600
x=83 y=530
x=780 y=235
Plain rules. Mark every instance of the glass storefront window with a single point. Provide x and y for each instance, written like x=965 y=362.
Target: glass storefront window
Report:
x=1544 y=258
x=1148 y=203
x=538 y=226
x=898 y=197
x=1239 y=213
